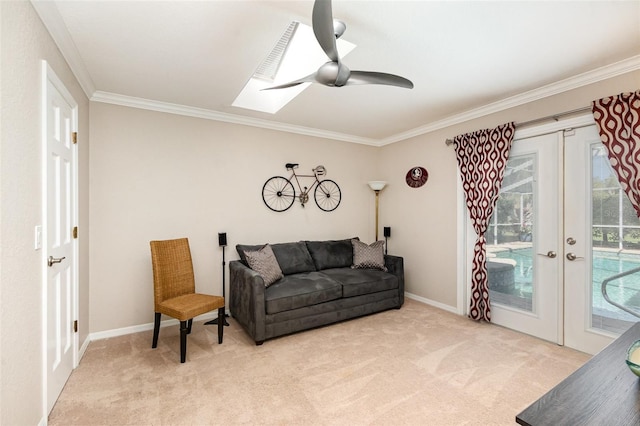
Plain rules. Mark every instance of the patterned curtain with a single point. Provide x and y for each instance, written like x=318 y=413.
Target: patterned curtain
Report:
x=618 y=120
x=482 y=158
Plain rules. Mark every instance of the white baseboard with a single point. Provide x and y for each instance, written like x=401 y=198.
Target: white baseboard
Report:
x=43 y=421
x=144 y=327
x=433 y=303
x=210 y=315
x=83 y=347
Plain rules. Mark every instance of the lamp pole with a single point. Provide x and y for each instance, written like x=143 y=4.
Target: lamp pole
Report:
x=377 y=198
x=377 y=186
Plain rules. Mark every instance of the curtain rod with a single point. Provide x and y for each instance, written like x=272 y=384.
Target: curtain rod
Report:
x=555 y=117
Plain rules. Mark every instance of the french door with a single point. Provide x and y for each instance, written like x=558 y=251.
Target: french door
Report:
x=523 y=240
x=602 y=234
x=561 y=226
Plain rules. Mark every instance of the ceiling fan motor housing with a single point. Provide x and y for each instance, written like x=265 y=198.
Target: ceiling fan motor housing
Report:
x=333 y=74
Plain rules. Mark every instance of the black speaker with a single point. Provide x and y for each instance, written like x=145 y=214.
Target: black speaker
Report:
x=222 y=239
x=387 y=231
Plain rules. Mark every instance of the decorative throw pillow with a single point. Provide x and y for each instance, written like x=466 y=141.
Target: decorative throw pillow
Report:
x=368 y=256
x=264 y=262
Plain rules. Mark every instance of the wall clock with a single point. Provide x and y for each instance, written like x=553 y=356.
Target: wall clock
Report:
x=416 y=177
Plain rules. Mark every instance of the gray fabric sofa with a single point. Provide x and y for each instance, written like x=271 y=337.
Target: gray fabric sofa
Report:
x=319 y=287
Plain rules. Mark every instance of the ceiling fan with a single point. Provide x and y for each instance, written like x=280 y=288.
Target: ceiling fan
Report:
x=335 y=73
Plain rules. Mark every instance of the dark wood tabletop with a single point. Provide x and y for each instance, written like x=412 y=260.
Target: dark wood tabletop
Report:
x=602 y=392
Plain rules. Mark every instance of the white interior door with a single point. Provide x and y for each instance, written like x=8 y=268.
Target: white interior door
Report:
x=60 y=254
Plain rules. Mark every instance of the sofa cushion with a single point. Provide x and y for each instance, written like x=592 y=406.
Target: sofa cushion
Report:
x=264 y=262
x=368 y=256
x=300 y=290
x=292 y=257
x=356 y=282
x=331 y=254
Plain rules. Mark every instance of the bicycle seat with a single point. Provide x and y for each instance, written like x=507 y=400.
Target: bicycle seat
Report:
x=291 y=165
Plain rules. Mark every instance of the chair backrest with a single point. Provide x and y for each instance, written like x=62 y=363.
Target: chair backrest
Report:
x=172 y=269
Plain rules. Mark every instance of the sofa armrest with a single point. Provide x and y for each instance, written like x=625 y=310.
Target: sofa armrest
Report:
x=395 y=266
x=246 y=299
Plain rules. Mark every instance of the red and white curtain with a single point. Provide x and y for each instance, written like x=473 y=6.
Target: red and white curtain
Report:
x=618 y=120
x=482 y=159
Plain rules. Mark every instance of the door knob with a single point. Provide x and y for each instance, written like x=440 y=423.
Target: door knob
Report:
x=571 y=241
x=53 y=260
x=550 y=253
x=572 y=257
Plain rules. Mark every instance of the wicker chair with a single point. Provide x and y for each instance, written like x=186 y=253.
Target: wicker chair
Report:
x=174 y=290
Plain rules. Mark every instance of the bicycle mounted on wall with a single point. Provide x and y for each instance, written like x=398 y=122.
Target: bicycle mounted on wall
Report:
x=278 y=193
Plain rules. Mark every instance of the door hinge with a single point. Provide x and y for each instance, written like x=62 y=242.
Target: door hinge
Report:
x=75 y=326
x=74 y=233
x=74 y=137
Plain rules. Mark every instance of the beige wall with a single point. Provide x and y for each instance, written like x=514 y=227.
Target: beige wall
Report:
x=160 y=176
x=423 y=221
x=25 y=42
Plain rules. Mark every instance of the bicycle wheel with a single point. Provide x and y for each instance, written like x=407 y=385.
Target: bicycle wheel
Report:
x=327 y=195
x=278 y=193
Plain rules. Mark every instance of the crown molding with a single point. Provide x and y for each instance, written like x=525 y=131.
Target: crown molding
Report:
x=52 y=20
x=580 y=80
x=207 y=114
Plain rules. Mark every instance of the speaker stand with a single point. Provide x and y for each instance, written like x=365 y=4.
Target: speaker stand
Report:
x=215 y=320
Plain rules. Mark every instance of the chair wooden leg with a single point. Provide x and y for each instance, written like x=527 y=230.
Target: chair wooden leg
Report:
x=220 y=324
x=189 y=326
x=156 y=330
x=183 y=340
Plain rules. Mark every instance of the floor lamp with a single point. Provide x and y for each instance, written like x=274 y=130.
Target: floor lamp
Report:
x=222 y=242
x=377 y=186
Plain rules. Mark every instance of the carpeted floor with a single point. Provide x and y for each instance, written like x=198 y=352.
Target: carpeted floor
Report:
x=415 y=366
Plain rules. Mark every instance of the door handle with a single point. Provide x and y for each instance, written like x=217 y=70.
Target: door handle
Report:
x=53 y=260
x=551 y=254
x=572 y=257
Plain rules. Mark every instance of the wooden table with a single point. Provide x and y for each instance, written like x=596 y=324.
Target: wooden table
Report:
x=602 y=392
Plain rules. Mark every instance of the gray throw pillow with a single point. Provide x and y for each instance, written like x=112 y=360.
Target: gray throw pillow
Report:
x=264 y=262
x=368 y=256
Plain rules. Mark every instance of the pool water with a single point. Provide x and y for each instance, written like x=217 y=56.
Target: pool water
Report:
x=625 y=291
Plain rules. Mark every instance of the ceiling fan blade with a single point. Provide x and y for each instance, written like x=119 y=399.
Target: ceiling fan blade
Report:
x=368 y=77
x=308 y=79
x=323 y=28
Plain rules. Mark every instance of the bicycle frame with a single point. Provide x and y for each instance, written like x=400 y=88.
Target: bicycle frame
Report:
x=306 y=190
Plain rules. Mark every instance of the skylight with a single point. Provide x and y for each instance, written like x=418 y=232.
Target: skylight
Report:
x=297 y=54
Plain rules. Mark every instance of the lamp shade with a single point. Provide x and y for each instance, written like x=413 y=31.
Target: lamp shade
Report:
x=377 y=185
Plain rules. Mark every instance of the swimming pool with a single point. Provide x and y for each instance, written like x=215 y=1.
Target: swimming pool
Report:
x=605 y=264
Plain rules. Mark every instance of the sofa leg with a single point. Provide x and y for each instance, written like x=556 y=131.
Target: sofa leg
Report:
x=260 y=342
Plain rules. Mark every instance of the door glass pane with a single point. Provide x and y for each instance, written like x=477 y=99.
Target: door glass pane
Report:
x=510 y=234
x=616 y=247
